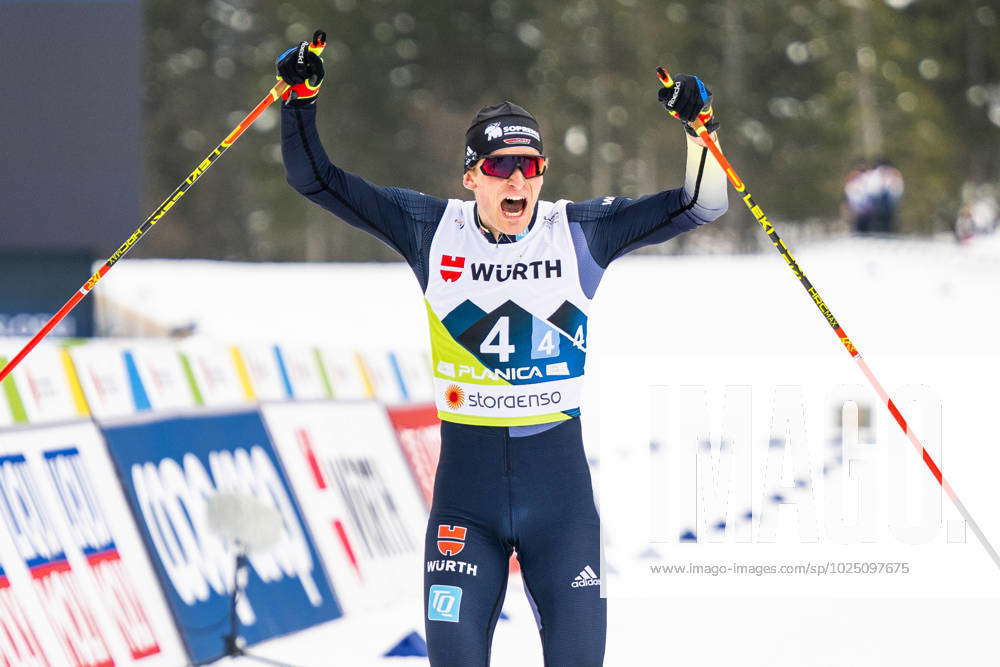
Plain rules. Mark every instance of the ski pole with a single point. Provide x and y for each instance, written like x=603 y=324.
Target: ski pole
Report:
x=318 y=42
x=768 y=227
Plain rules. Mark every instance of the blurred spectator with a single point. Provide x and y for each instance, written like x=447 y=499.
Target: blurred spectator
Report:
x=855 y=197
x=873 y=195
x=980 y=212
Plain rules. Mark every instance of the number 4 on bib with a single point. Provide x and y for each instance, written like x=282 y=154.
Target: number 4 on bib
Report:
x=497 y=341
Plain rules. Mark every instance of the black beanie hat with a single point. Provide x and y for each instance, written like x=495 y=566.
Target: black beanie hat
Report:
x=500 y=126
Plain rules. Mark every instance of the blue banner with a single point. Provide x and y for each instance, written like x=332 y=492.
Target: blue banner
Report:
x=170 y=470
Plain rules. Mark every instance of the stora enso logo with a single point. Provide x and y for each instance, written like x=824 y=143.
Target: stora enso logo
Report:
x=454 y=396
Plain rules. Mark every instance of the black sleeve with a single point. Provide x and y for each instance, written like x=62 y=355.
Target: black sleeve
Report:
x=614 y=226
x=400 y=218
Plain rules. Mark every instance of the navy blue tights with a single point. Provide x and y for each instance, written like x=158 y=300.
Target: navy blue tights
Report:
x=495 y=493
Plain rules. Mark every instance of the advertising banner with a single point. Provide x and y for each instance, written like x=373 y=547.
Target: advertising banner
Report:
x=415 y=370
x=266 y=376
x=418 y=431
x=19 y=643
x=111 y=390
x=76 y=587
x=361 y=503
x=162 y=375
x=44 y=387
x=383 y=374
x=347 y=374
x=216 y=376
x=6 y=418
x=171 y=468
x=303 y=372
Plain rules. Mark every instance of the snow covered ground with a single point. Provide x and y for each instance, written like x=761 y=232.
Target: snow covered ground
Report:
x=922 y=312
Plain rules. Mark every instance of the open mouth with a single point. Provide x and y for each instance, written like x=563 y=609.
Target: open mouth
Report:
x=513 y=206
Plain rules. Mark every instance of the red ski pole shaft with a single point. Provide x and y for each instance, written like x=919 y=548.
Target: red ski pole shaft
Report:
x=768 y=227
x=154 y=217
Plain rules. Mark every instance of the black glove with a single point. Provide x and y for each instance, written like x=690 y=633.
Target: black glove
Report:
x=302 y=69
x=686 y=100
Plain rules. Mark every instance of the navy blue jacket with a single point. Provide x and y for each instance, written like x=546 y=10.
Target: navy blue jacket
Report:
x=406 y=220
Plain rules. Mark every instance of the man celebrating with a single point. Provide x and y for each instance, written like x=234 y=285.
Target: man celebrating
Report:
x=507 y=281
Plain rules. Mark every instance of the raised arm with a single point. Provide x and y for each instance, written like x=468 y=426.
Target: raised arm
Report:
x=398 y=217
x=614 y=226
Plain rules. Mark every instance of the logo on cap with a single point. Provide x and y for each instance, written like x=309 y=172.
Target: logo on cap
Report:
x=493 y=131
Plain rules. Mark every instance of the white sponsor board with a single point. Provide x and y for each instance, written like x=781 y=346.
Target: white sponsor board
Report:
x=100 y=365
x=415 y=369
x=6 y=418
x=162 y=374
x=264 y=371
x=42 y=383
x=346 y=372
x=302 y=364
x=77 y=587
x=383 y=376
x=215 y=372
x=357 y=494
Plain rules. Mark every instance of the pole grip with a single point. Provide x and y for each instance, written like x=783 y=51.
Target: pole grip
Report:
x=279 y=89
x=706 y=112
x=665 y=77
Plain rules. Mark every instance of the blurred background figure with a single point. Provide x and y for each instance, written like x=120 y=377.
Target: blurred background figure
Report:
x=873 y=196
x=980 y=212
x=856 y=198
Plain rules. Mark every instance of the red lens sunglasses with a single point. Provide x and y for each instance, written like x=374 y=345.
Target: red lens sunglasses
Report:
x=503 y=166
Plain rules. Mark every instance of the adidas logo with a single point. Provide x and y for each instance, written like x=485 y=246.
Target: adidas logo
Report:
x=587 y=577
